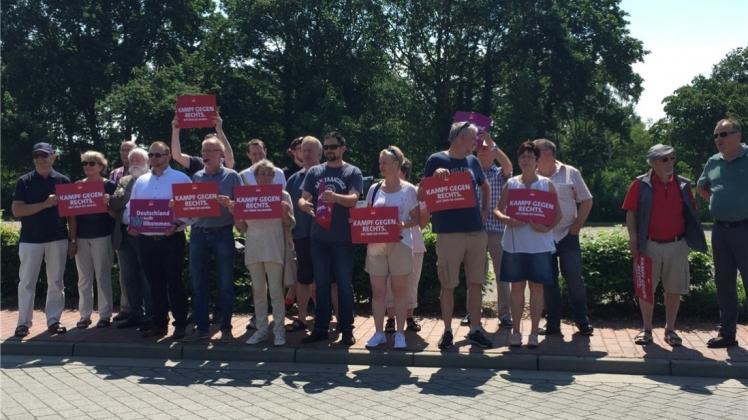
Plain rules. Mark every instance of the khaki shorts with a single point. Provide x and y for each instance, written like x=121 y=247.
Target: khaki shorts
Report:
x=454 y=249
x=670 y=265
x=394 y=259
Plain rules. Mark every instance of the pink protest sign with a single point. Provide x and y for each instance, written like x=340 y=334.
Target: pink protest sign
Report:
x=481 y=121
x=374 y=225
x=150 y=216
x=80 y=198
x=642 y=275
x=194 y=111
x=530 y=206
x=455 y=192
x=258 y=202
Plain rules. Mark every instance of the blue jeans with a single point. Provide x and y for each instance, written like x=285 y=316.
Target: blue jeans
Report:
x=328 y=259
x=136 y=285
x=569 y=255
x=204 y=243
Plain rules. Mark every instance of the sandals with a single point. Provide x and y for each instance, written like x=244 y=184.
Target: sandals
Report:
x=643 y=338
x=56 y=328
x=83 y=324
x=296 y=325
x=412 y=325
x=672 y=338
x=21 y=331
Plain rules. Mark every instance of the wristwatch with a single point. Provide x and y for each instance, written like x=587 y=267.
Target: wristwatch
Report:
x=72 y=240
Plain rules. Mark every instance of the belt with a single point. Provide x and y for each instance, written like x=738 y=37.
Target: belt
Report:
x=210 y=229
x=667 y=241
x=731 y=224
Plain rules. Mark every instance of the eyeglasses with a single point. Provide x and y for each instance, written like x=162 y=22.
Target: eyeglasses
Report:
x=331 y=146
x=89 y=163
x=157 y=155
x=724 y=134
x=667 y=159
x=40 y=155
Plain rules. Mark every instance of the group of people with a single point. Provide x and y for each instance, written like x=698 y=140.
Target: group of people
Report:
x=308 y=250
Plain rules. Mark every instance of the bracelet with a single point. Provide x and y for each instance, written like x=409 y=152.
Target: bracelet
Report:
x=72 y=240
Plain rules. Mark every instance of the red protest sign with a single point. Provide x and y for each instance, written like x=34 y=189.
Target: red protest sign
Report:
x=80 y=198
x=642 y=275
x=257 y=202
x=196 y=200
x=456 y=192
x=530 y=205
x=374 y=225
x=194 y=111
x=150 y=216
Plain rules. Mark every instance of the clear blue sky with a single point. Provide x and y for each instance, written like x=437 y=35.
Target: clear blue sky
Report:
x=685 y=38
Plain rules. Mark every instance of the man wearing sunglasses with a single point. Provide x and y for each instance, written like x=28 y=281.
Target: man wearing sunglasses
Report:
x=724 y=183
x=663 y=224
x=162 y=254
x=334 y=186
x=44 y=237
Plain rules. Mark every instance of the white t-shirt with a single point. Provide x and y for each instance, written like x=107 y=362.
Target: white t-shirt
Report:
x=248 y=177
x=405 y=200
x=571 y=189
x=524 y=239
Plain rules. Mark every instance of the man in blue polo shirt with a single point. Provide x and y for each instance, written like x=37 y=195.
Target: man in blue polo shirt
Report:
x=44 y=236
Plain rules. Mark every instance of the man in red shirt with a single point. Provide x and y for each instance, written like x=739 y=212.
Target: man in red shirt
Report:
x=662 y=224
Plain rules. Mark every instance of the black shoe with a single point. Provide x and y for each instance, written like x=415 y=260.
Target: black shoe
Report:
x=585 y=330
x=505 y=322
x=549 y=330
x=179 y=333
x=389 y=326
x=347 y=339
x=153 y=333
x=446 y=341
x=465 y=320
x=129 y=323
x=121 y=316
x=412 y=324
x=479 y=339
x=314 y=337
x=720 y=342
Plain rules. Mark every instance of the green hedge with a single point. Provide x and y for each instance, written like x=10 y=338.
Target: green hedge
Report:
x=607 y=271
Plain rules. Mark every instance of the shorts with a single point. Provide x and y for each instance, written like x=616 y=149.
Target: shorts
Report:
x=455 y=249
x=305 y=270
x=395 y=259
x=670 y=265
x=520 y=266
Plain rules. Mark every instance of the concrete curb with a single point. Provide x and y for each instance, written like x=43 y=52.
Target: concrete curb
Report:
x=497 y=361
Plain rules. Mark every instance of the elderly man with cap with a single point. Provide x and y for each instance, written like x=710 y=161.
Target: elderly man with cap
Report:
x=663 y=224
x=44 y=237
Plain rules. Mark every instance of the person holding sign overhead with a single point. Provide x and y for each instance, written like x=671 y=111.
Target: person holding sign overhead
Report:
x=44 y=237
x=460 y=238
x=264 y=255
x=392 y=259
x=528 y=239
x=663 y=223
x=195 y=163
x=213 y=237
x=95 y=253
x=161 y=248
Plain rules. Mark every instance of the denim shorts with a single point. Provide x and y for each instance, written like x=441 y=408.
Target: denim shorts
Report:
x=537 y=268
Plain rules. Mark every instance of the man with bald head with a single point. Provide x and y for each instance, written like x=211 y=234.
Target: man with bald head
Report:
x=724 y=183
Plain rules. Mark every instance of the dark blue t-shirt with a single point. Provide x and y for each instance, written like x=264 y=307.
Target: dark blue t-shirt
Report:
x=459 y=220
x=304 y=221
x=342 y=180
x=99 y=224
x=46 y=225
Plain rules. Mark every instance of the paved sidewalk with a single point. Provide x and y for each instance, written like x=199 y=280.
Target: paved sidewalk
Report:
x=609 y=350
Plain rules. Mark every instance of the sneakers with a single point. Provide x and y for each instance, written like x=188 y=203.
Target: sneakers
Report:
x=585 y=330
x=465 y=320
x=389 y=326
x=314 y=337
x=226 y=335
x=258 y=337
x=252 y=325
x=549 y=330
x=532 y=341
x=720 y=342
x=377 y=339
x=446 y=341
x=279 y=338
x=399 y=341
x=347 y=339
x=480 y=340
x=121 y=316
x=412 y=325
x=505 y=322
x=515 y=340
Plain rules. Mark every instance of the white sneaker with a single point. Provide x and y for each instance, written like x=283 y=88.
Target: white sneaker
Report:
x=400 y=341
x=377 y=339
x=279 y=338
x=515 y=340
x=258 y=337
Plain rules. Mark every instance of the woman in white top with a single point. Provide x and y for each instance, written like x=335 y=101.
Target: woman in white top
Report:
x=392 y=259
x=264 y=254
x=528 y=247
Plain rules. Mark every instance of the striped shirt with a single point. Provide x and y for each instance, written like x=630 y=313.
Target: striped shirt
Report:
x=496 y=180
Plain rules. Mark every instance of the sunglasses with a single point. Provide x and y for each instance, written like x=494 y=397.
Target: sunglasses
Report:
x=667 y=159
x=331 y=146
x=40 y=155
x=724 y=134
x=89 y=163
x=157 y=155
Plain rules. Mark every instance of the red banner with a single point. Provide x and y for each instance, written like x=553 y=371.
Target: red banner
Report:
x=374 y=225
x=196 y=200
x=530 y=205
x=455 y=193
x=150 y=216
x=80 y=198
x=194 y=111
x=258 y=202
x=642 y=274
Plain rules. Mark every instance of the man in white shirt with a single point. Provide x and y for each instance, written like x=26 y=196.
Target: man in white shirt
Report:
x=256 y=151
